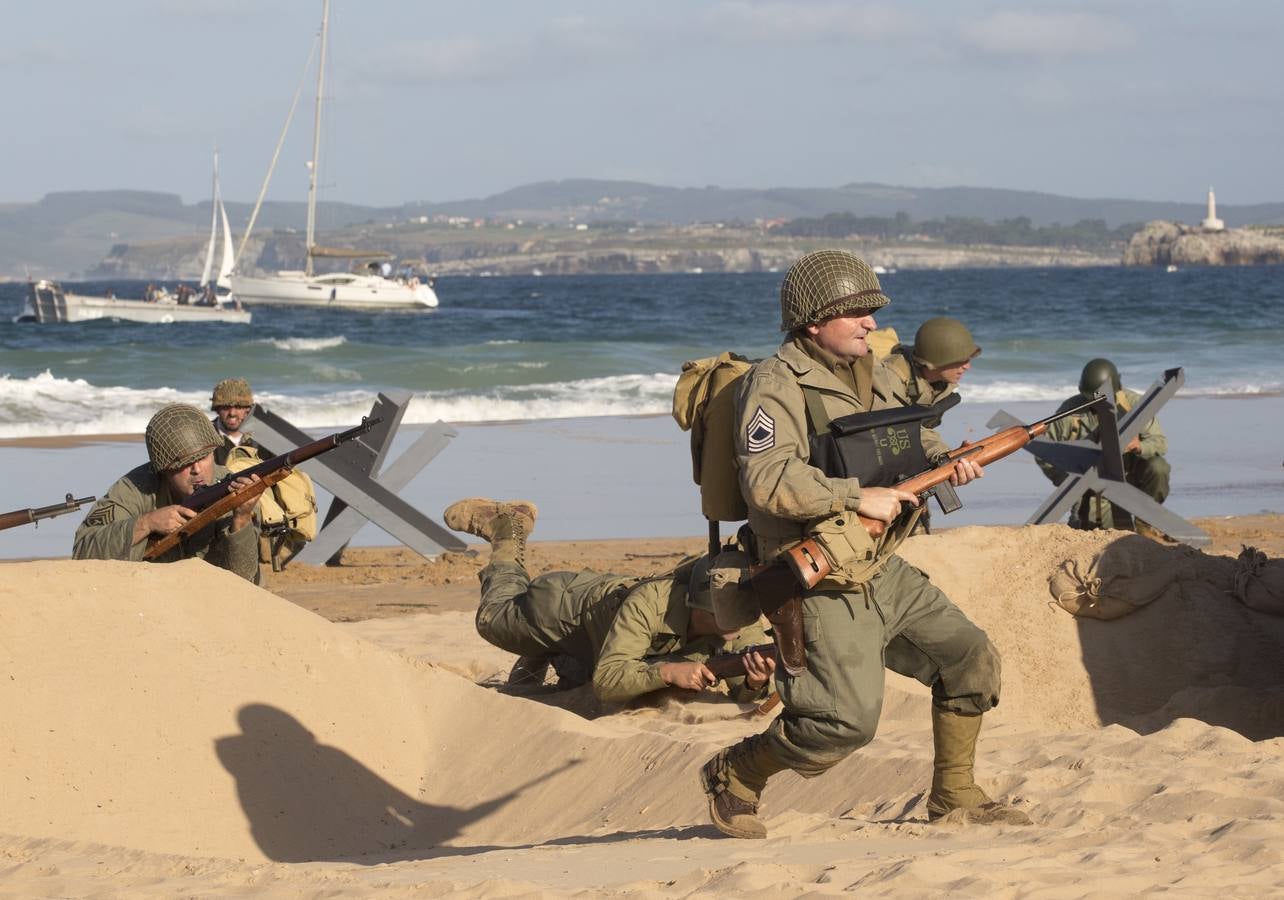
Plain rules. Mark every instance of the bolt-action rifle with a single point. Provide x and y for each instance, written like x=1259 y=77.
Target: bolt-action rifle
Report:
x=217 y=500
x=24 y=516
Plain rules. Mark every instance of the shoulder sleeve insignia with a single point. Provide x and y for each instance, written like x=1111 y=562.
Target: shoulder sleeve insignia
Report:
x=102 y=515
x=761 y=432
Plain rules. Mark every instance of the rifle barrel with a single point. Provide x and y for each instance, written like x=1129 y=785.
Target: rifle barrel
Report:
x=215 y=492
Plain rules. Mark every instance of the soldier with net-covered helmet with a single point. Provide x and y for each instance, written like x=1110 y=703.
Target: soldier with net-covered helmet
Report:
x=873 y=608
x=146 y=501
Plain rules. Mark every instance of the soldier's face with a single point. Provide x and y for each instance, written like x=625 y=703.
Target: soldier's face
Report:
x=232 y=417
x=949 y=374
x=185 y=481
x=844 y=336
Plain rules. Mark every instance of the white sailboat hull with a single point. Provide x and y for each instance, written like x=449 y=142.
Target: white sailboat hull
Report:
x=347 y=290
x=48 y=303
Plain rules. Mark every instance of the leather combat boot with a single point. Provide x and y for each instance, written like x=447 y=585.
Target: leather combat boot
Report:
x=733 y=780
x=954 y=791
x=505 y=525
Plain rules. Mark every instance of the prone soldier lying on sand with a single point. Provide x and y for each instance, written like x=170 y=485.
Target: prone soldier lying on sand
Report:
x=633 y=635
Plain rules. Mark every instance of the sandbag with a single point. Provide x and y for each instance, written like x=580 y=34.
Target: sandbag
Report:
x=1112 y=585
x=1258 y=582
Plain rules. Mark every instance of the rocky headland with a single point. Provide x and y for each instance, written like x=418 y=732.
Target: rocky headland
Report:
x=496 y=251
x=1162 y=243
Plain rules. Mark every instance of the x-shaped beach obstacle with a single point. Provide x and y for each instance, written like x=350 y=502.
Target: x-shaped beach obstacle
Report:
x=351 y=472
x=1098 y=467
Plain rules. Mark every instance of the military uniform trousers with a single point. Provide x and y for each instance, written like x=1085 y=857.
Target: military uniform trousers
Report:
x=900 y=620
x=556 y=613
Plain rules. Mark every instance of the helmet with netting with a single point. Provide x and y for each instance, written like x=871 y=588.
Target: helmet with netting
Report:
x=178 y=436
x=232 y=392
x=943 y=342
x=825 y=284
x=1097 y=371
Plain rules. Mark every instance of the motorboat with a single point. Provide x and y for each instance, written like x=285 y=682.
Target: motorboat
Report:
x=369 y=289
x=48 y=302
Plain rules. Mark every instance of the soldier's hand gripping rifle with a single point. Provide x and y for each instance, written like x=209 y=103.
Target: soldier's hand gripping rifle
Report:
x=807 y=561
x=25 y=516
x=217 y=500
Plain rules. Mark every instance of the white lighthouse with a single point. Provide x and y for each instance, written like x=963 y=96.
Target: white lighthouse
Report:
x=1212 y=223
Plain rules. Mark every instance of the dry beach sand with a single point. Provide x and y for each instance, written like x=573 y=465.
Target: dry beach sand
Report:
x=172 y=730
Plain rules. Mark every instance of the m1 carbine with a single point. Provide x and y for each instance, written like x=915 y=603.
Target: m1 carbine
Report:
x=24 y=516
x=780 y=584
x=217 y=500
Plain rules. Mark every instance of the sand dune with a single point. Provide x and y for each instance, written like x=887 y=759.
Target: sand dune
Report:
x=173 y=729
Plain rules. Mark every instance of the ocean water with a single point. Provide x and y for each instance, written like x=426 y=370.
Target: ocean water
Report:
x=531 y=348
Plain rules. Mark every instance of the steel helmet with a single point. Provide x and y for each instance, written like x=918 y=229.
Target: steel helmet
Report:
x=178 y=436
x=232 y=392
x=825 y=284
x=943 y=342
x=1096 y=372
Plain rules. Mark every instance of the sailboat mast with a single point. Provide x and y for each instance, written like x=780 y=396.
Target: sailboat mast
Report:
x=316 y=140
x=214 y=203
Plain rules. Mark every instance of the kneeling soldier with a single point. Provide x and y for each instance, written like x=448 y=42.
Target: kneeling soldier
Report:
x=146 y=501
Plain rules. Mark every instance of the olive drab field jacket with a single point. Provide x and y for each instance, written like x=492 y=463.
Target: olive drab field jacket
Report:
x=788 y=498
x=649 y=629
x=1085 y=426
x=108 y=530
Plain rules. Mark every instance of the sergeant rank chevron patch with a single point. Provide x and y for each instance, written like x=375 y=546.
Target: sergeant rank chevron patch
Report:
x=761 y=432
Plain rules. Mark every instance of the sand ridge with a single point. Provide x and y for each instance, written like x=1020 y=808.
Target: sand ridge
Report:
x=185 y=732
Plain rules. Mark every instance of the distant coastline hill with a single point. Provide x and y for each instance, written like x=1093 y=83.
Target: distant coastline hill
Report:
x=71 y=233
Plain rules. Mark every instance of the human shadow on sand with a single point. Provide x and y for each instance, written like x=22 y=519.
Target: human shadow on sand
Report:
x=1184 y=646
x=308 y=801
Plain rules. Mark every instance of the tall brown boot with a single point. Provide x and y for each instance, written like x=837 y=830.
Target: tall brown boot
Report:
x=954 y=790
x=505 y=525
x=733 y=780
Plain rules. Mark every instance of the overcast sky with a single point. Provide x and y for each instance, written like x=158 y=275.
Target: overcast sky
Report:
x=1145 y=99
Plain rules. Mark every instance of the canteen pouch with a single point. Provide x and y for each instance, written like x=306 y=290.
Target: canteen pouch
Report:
x=844 y=540
x=878 y=448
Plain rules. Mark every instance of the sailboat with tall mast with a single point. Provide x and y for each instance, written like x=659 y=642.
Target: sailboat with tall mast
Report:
x=228 y=261
x=371 y=289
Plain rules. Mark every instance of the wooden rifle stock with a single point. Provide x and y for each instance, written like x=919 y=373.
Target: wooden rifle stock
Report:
x=26 y=516
x=216 y=510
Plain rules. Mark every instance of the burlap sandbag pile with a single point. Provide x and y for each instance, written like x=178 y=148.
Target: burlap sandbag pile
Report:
x=1135 y=572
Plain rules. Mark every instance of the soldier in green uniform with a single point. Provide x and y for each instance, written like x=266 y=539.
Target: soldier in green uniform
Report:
x=635 y=635
x=231 y=404
x=146 y=501
x=1145 y=467
x=873 y=609
x=929 y=370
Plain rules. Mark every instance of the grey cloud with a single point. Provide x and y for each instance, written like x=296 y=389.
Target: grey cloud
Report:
x=806 y=22
x=1016 y=33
